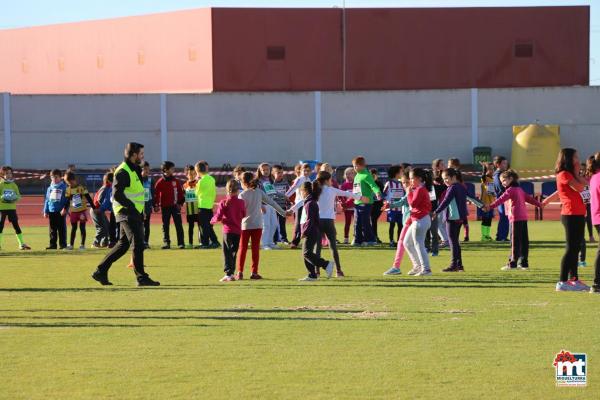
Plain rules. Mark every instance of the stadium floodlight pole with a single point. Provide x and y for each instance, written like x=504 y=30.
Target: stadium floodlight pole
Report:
x=164 y=134
x=344 y=45
x=7 y=129
x=474 y=118
x=318 y=128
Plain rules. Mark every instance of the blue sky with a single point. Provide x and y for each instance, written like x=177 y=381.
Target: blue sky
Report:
x=22 y=13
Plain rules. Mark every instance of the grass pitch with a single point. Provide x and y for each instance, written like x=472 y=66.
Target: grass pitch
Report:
x=482 y=334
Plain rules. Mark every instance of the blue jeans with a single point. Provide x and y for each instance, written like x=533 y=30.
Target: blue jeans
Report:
x=363 y=230
x=503 y=225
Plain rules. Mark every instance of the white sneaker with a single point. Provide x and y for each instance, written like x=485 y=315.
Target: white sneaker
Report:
x=393 y=271
x=307 y=279
x=329 y=269
x=346 y=241
x=267 y=248
x=507 y=268
x=424 y=272
x=82 y=247
x=414 y=271
x=69 y=247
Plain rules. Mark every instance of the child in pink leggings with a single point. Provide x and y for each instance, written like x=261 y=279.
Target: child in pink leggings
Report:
x=403 y=203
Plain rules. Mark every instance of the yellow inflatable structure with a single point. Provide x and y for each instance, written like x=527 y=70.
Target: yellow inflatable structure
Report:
x=534 y=149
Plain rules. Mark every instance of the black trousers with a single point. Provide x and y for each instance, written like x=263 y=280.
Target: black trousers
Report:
x=231 y=244
x=588 y=220
x=131 y=235
x=113 y=229
x=12 y=218
x=453 y=229
x=147 y=216
x=297 y=233
x=432 y=239
x=311 y=260
x=574 y=234
x=167 y=214
x=57 y=229
x=519 y=252
x=193 y=220
x=375 y=214
x=327 y=227
x=207 y=233
x=597 y=263
x=282 y=232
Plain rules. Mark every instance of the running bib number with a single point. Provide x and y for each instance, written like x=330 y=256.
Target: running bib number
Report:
x=269 y=189
x=585 y=195
x=76 y=201
x=396 y=203
x=147 y=196
x=190 y=196
x=397 y=193
x=356 y=189
x=9 y=195
x=303 y=217
x=56 y=194
x=432 y=195
x=490 y=189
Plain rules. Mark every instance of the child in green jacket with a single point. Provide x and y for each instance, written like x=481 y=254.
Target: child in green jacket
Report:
x=9 y=196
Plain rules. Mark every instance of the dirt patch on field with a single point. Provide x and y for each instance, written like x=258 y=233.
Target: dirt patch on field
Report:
x=370 y=315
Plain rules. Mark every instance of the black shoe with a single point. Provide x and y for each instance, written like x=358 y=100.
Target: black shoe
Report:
x=215 y=245
x=146 y=246
x=466 y=239
x=51 y=248
x=451 y=268
x=204 y=247
x=147 y=282
x=165 y=247
x=102 y=278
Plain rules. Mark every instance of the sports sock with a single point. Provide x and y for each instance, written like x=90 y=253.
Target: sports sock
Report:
x=20 y=239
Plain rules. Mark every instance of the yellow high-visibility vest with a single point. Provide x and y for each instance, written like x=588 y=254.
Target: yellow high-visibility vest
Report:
x=134 y=192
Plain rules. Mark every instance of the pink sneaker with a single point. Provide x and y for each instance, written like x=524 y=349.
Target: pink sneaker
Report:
x=579 y=285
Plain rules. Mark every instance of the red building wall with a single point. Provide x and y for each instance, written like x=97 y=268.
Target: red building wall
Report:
x=221 y=49
x=168 y=52
x=304 y=44
x=466 y=47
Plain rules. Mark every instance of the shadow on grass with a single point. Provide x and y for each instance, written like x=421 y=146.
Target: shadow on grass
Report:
x=350 y=316
x=4 y=325
x=399 y=284
x=199 y=310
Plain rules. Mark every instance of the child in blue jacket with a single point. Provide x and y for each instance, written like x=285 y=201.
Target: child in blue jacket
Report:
x=54 y=210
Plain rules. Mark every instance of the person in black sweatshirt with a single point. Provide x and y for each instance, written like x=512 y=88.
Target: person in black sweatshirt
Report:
x=311 y=233
x=131 y=219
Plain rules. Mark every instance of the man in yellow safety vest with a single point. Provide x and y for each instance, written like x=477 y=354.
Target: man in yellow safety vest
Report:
x=128 y=206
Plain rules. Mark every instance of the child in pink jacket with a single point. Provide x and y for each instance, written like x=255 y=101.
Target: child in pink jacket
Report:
x=517 y=215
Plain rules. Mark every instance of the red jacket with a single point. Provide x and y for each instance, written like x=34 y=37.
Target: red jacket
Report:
x=420 y=204
x=168 y=192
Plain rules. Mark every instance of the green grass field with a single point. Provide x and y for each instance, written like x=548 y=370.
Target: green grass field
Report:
x=484 y=334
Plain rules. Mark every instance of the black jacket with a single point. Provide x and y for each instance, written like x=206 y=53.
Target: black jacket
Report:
x=120 y=183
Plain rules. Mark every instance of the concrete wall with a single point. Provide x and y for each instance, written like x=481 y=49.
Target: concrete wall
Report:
x=247 y=128
x=386 y=127
x=53 y=131
x=2 y=128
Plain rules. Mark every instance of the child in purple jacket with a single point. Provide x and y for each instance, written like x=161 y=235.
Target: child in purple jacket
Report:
x=311 y=232
x=517 y=215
